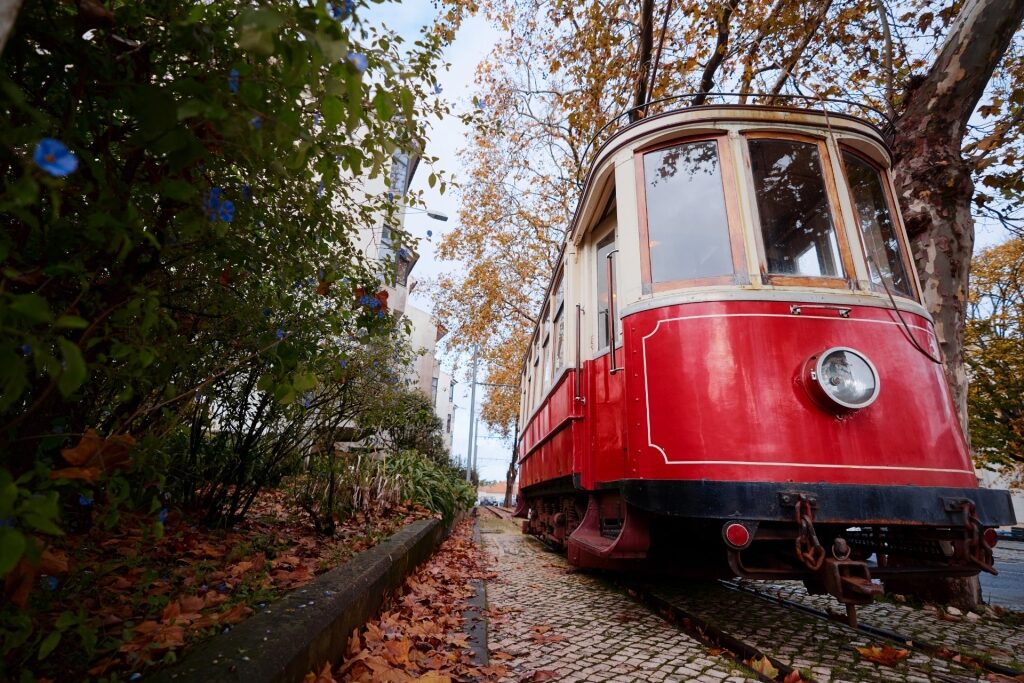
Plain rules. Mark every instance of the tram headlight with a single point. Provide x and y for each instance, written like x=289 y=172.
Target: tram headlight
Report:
x=844 y=377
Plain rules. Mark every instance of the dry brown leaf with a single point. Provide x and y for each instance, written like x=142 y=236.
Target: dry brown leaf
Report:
x=885 y=655
x=763 y=666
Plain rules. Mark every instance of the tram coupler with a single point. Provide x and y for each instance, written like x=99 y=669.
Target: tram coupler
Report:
x=974 y=550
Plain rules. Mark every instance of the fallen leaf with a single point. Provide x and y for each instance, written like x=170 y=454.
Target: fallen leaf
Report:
x=885 y=655
x=793 y=677
x=763 y=666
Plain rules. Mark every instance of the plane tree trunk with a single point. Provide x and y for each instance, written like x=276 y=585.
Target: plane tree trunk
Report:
x=935 y=188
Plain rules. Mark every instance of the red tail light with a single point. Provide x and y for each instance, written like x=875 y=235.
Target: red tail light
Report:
x=990 y=537
x=736 y=535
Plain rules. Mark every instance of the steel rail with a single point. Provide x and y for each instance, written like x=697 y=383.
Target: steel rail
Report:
x=931 y=649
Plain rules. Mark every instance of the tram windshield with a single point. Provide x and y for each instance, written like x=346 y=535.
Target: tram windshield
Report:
x=792 y=202
x=688 y=230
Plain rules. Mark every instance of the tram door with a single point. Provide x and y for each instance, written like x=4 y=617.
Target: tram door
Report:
x=605 y=402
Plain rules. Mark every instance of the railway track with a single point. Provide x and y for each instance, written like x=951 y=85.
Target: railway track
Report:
x=498 y=511
x=751 y=625
x=945 y=651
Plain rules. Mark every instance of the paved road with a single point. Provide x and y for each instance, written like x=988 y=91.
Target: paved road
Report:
x=1007 y=589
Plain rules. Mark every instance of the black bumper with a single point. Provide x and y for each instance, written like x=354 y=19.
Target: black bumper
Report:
x=831 y=503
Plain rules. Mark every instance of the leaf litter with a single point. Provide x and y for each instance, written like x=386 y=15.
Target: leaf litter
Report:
x=419 y=636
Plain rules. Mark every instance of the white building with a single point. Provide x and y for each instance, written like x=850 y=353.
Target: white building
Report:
x=383 y=243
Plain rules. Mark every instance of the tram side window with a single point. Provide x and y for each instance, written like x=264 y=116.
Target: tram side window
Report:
x=559 y=324
x=796 y=220
x=604 y=322
x=881 y=241
x=687 y=225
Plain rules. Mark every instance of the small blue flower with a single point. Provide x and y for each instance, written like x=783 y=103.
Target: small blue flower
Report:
x=321 y=273
x=381 y=314
x=266 y=312
x=247 y=192
x=320 y=190
x=391 y=196
x=438 y=89
x=430 y=233
x=162 y=516
x=84 y=501
x=403 y=252
x=256 y=122
x=233 y=80
x=55 y=158
x=50 y=583
x=343 y=363
x=341 y=10
x=222 y=587
x=227 y=211
x=307 y=400
x=358 y=61
x=311 y=281
x=212 y=203
x=280 y=334
x=316 y=118
x=376 y=364
x=26 y=349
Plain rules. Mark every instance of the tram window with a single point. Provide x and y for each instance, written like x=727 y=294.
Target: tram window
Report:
x=687 y=226
x=603 y=318
x=559 y=324
x=881 y=241
x=796 y=221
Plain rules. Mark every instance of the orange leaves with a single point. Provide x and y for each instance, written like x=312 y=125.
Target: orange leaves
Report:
x=94 y=455
x=885 y=655
x=420 y=637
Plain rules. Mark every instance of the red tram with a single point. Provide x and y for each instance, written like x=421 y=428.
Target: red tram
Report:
x=734 y=375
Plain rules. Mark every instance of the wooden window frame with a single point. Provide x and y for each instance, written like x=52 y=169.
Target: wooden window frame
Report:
x=733 y=218
x=894 y=214
x=596 y=248
x=848 y=278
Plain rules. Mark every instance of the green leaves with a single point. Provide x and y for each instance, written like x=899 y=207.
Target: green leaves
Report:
x=73 y=367
x=12 y=546
x=31 y=307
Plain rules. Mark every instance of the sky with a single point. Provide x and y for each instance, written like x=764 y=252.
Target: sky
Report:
x=472 y=44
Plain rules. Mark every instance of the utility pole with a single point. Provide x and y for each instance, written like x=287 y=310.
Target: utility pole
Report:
x=476 y=443
x=472 y=419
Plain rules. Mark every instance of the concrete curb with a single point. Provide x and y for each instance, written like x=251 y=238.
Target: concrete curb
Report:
x=311 y=625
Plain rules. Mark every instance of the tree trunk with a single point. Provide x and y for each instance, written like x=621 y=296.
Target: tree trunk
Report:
x=935 y=190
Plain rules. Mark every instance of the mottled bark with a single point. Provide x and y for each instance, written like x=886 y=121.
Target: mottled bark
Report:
x=933 y=181
x=932 y=178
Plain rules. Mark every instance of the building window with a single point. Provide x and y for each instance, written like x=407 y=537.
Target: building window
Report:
x=433 y=391
x=448 y=424
x=451 y=392
x=796 y=219
x=687 y=225
x=399 y=172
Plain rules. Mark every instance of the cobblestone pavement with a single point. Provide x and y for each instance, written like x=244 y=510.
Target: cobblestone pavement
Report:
x=981 y=636
x=825 y=650
x=550 y=618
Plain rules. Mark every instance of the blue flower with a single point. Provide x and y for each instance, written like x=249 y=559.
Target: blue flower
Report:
x=307 y=400
x=256 y=122
x=342 y=10
x=233 y=80
x=316 y=118
x=321 y=273
x=343 y=363
x=212 y=204
x=430 y=233
x=391 y=196
x=162 y=516
x=55 y=158
x=227 y=211
x=438 y=89
x=26 y=349
x=247 y=192
x=367 y=300
x=358 y=61
x=403 y=252
x=84 y=501
x=311 y=281
x=280 y=334
x=266 y=312
x=320 y=190
x=50 y=583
